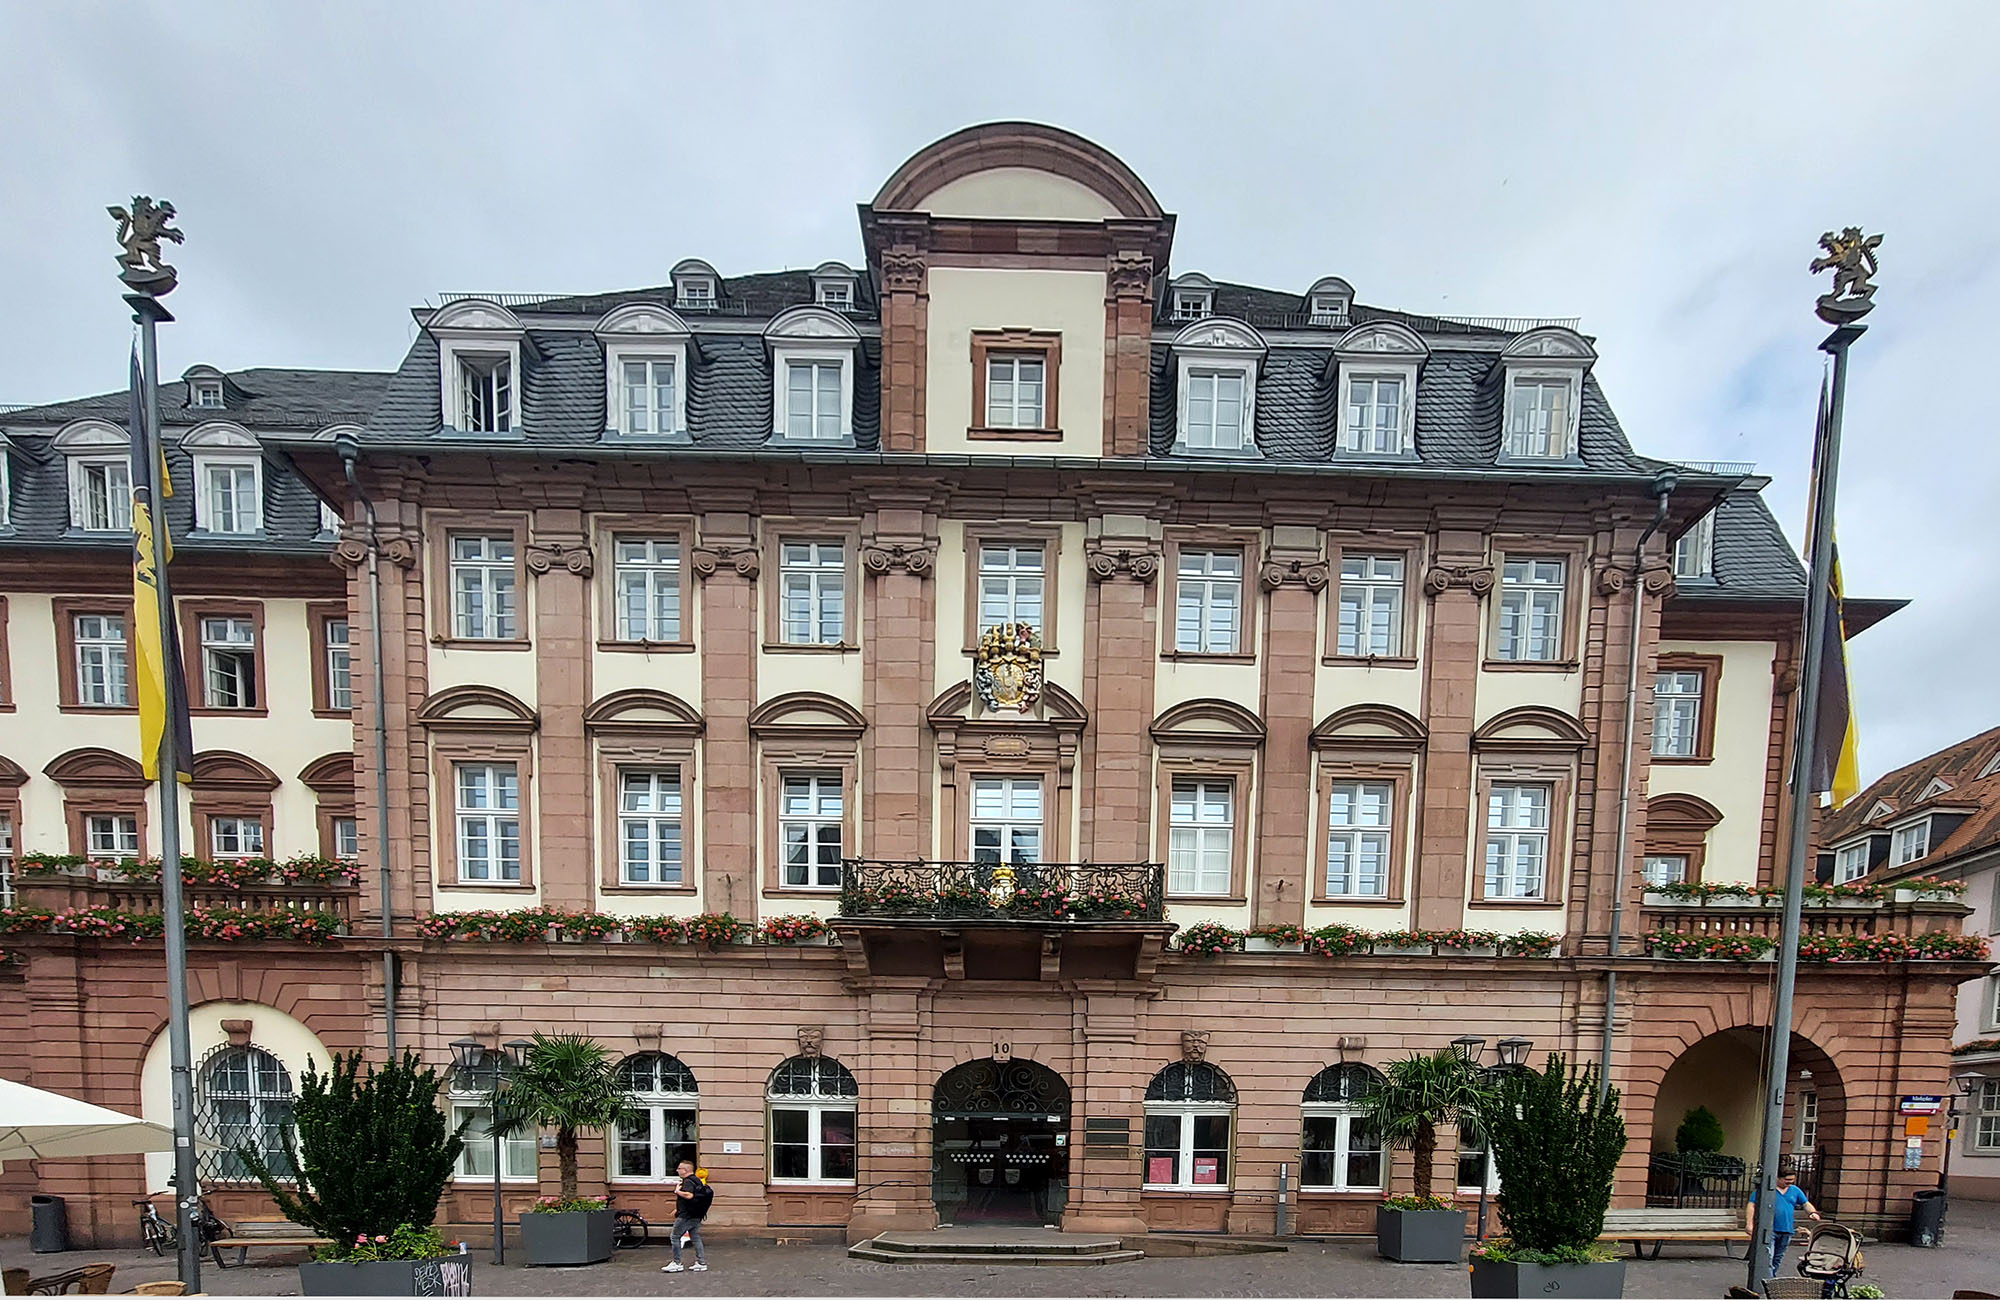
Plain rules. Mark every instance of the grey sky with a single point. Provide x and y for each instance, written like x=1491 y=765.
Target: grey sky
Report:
x=1662 y=172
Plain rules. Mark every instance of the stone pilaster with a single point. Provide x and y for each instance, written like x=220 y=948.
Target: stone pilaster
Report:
x=559 y=564
x=1121 y=650
x=898 y=561
x=1292 y=575
x=895 y=1112
x=726 y=561
x=1457 y=584
x=1128 y=352
x=905 y=331
x=1109 y=1086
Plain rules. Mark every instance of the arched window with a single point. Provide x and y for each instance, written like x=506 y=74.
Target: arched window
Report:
x=1189 y=1106
x=245 y=1101
x=660 y=1131
x=812 y=1121
x=471 y=1095
x=1341 y=1152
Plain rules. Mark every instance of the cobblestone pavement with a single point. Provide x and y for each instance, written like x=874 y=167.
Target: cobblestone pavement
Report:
x=1971 y=1259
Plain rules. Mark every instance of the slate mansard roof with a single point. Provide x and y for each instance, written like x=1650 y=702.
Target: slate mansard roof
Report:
x=260 y=401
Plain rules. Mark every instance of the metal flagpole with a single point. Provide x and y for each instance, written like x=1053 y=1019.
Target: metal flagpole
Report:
x=1843 y=308
x=140 y=231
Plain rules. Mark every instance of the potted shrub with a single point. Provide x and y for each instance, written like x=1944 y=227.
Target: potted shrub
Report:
x=1556 y=1145
x=567 y=1083
x=372 y=1155
x=1417 y=1094
x=1275 y=938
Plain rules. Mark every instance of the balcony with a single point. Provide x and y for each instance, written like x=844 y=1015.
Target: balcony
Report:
x=1763 y=915
x=1033 y=921
x=61 y=892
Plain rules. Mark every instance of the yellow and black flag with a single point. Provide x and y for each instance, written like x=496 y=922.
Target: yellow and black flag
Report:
x=161 y=684
x=1836 y=764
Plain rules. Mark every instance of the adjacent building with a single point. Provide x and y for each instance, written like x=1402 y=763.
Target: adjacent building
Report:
x=1010 y=603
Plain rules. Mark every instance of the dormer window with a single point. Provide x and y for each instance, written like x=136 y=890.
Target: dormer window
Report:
x=1192 y=304
x=836 y=295
x=1328 y=301
x=695 y=294
x=1910 y=843
x=206 y=394
x=485 y=393
x=1538 y=420
x=228 y=480
x=1694 y=553
x=1374 y=415
x=1326 y=310
x=1544 y=370
x=812 y=376
x=648 y=389
x=1215 y=410
x=645 y=357
x=812 y=400
x=1218 y=362
x=100 y=476
x=1850 y=862
x=1379 y=364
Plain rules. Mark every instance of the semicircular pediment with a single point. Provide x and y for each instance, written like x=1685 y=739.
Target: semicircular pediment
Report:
x=1378 y=725
x=222 y=769
x=1213 y=721
x=935 y=177
x=486 y=707
x=807 y=711
x=1531 y=726
x=643 y=710
x=95 y=767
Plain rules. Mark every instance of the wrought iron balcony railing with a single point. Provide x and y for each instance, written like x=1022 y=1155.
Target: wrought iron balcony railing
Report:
x=1024 y=891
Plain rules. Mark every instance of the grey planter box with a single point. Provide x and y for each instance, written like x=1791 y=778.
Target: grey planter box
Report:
x=1493 y=1281
x=1419 y=1236
x=449 y=1275
x=572 y=1237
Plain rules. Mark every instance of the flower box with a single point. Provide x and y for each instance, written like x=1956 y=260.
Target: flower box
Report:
x=1477 y=950
x=1654 y=898
x=1926 y=895
x=1494 y=1279
x=1390 y=948
x=446 y=1275
x=1846 y=904
x=1733 y=900
x=1419 y=1236
x=568 y=1236
x=1258 y=943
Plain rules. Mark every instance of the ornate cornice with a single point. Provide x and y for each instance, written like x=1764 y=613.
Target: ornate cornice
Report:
x=1276 y=572
x=572 y=555
x=886 y=557
x=1130 y=275
x=1475 y=578
x=707 y=560
x=903 y=271
x=1106 y=561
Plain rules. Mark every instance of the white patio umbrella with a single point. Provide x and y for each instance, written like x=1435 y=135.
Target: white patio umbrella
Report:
x=39 y=1125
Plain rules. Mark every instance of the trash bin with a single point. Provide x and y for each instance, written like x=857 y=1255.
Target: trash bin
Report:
x=1926 y=1217
x=50 y=1232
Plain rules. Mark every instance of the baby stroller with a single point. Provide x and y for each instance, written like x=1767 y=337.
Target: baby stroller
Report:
x=1832 y=1258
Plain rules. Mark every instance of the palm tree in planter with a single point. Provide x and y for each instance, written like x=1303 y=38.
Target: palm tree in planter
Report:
x=1417 y=1094
x=568 y=1082
x=1556 y=1143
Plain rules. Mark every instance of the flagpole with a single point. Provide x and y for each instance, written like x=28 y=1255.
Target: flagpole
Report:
x=1851 y=299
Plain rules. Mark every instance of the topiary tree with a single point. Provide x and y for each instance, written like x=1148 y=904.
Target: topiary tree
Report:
x=1700 y=1133
x=373 y=1151
x=1417 y=1094
x=1557 y=1147
x=569 y=1082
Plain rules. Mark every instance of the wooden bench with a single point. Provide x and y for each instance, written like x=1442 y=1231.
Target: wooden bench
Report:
x=1662 y=1226
x=250 y=1233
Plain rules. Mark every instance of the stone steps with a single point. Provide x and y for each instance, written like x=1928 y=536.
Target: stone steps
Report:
x=987 y=1246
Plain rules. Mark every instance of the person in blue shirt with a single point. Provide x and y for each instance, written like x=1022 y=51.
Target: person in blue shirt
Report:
x=1784 y=1217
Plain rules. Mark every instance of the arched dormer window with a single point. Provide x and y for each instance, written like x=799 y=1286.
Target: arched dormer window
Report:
x=479 y=357
x=228 y=480
x=1543 y=378
x=99 y=455
x=1329 y=301
x=1339 y=1150
x=835 y=287
x=812 y=377
x=696 y=286
x=1191 y=297
x=205 y=388
x=1189 y=1108
x=659 y=1132
x=1218 y=361
x=811 y=1103
x=1378 y=365
x=645 y=373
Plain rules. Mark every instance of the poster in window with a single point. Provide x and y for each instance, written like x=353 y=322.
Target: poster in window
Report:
x=1207 y=1169
x=1160 y=1169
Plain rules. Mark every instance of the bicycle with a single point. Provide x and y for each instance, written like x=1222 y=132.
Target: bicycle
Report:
x=160 y=1235
x=629 y=1230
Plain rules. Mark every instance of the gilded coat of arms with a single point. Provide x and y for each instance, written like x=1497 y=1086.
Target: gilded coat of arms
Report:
x=1007 y=668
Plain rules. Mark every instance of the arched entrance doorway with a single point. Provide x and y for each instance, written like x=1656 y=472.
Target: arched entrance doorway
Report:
x=1722 y=1073
x=1000 y=1143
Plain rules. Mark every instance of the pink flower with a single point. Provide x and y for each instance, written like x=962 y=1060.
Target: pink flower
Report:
x=382 y=1240
x=361 y=1240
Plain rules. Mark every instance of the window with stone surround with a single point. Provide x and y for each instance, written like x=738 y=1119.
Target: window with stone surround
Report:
x=811 y=1103
x=1012 y=585
x=1986 y=1116
x=1685 y=693
x=484 y=587
x=104 y=801
x=1190 y=1107
x=235 y=837
x=243 y=1099
x=812 y=825
x=487 y=822
x=228 y=651
x=1340 y=1149
x=101 y=658
x=650 y=843
x=344 y=840
x=1006 y=821
x=1202 y=837
x=111 y=835
x=812 y=578
x=1661 y=869
x=333 y=659
x=1533 y=593
x=1518 y=820
x=469 y=1093
x=1360 y=838
x=1015 y=385
x=1476 y=1165
x=647 y=582
x=6 y=856
x=659 y=1131
x=1372 y=591
x=808 y=762
x=1208 y=602
x=1014 y=389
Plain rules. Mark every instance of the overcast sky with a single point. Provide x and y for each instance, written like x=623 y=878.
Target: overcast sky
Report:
x=1663 y=172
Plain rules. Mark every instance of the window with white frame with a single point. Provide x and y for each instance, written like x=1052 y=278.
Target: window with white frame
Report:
x=1911 y=842
x=1340 y=1151
x=206 y=394
x=231 y=499
x=347 y=838
x=1517 y=840
x=6 y=859
x=471 y=1091
x=1016 y=384
x=1806 y=1135
x=1476 y=1167
x=1677 y=706
x=486 y=393
x=482 y=587
x=1538 y=416
x=1327 y=309
x=646 y=392
x=1986 y=1116
x=1191 y=304
x=1358 y=838
x=1214 y=410
x=235 y=837
x=1993 y=1002
x=228 y=663
x=488 y=821
x=1374 y=424
x=658 y=1132
x=646 y=575
x=1006 y=819
x=1189 y=1109
x=111 y=835
x=101 y=656
x=1694 y=553
x=243 y=1100
x=1371 y=606
x=100 y=494
x=812 y=400
x=1532 y=592
x=329 y=520
x=836 y=295
x=1664 y=869
x=1201 y=836
x=1850 y=862
x=1012 y=577
x=1208 y=603
x=694 y=293
x=812 y=588
x=6 y=486
x=649 y=827
x=339 y=664
x=812 y=828
x=812 y=1103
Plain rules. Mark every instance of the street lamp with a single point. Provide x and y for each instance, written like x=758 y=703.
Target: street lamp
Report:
x=1513 y=1053
x=1468 y=1047
x=477 y=1062
x=1968 y=1083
